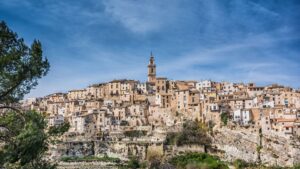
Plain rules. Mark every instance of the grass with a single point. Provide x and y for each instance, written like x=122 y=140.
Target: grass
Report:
x=241 y=164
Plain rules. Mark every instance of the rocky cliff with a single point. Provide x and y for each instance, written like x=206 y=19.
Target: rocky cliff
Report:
x=254 y=147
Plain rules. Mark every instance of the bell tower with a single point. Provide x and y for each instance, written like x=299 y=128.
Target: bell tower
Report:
x=151 y=70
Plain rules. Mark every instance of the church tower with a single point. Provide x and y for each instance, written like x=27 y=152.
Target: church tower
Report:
x=151 y=70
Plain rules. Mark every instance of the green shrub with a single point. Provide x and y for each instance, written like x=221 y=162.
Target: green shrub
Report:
x=198 y=160
x=193 y=133
x=133 y=163
x=224 y=118
x=171 y=138
x=90 y=159
x=135 y=133
x=297 y=166
x=240 y=164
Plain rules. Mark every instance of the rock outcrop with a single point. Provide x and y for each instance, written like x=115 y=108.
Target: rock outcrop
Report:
x=254 y=147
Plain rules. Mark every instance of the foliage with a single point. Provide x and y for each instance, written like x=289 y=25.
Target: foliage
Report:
x=171 y=138
x=23 y=135
x=154 y=157
x=197 y=160
x=90 y=159
x=26 y=140
x=58 y=130
x=239 y=164
x=133 y=163
x=20 y=66
x=296 y=166
x=224 y=118
x=153 y=154
x=258 y=149
x=135 y=133
x=193 y=133
x=155 y=164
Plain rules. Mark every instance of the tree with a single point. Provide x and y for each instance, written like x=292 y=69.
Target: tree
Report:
x=193 y=132
x=26 y=140
x=24 y=136
x=20 y=66
x=224 y=118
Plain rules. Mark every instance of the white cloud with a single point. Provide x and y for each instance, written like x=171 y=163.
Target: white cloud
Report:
x=248 y=60
x=142 y=16
x=263 y=9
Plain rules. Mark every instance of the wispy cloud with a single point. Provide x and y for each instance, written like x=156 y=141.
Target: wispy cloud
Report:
x=100 y=40
x=240 y=61
x=143 y=16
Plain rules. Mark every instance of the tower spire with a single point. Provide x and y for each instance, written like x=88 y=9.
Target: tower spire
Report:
x=151 y=69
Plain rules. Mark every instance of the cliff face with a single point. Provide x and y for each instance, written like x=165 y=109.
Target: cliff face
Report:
x=280 y=151
x=228 y=143
x=236 y=144
x=251 y=146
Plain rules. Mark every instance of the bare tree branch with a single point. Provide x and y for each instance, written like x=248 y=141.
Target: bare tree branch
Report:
x=10 y=107
x=4 y=94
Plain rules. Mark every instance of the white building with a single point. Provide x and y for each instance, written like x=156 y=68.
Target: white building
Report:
x=267 y=104
x=205 y=84
x=77 y=123
x=182 y=99
x=228 y=88
x=142 y=87
x=108 y=103
x=242 y=117
x=214 y=107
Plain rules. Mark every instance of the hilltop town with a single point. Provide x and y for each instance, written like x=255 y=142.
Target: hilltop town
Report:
x=124 y=117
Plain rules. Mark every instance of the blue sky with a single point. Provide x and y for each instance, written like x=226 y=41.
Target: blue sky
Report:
x=90 y=41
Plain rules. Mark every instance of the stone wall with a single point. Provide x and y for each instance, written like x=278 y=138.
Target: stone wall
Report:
x=171 y=150
x=121 y=150
x=86 y=165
